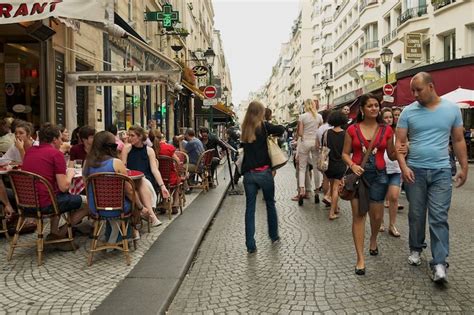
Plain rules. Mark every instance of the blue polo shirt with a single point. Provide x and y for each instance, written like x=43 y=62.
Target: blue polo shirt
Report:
x=429 y=132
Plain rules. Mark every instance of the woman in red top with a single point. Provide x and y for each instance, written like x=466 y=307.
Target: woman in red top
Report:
x=369 y=127
x=162 y=148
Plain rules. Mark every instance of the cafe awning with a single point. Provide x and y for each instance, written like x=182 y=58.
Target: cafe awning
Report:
x=193 y=89
x=222 y=108
x=16 y=11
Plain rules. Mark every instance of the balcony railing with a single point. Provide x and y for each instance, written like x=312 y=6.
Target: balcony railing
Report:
x=369 y=45
x=387 y=38
x=340 y=8
x=346 y=33
x=316 y=63
x=438 y=4
x=327 y=21
x=366 y=3
x=412 y=13
x=347 y=66
x=315 y=38
x=328 y=49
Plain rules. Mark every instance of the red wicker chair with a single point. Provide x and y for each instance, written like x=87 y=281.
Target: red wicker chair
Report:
x=25 y=188
x=167 y=167
x=3 y=227
x=108 y=191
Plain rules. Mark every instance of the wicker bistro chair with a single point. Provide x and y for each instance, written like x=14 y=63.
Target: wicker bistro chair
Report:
x=108 y=193
x=183 y=171
x=3 y=222
x=203 y=169
x=167 y=166
x=25 y=188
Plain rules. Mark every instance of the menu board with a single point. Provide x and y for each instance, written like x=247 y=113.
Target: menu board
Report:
x=59 y=87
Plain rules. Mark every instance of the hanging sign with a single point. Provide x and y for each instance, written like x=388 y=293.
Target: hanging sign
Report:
x=16 y=11
x=167 y=17
x=200 y=71
x=413 y=46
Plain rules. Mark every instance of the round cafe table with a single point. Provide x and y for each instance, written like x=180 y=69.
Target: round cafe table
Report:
x=78 y=185
x=135 y=174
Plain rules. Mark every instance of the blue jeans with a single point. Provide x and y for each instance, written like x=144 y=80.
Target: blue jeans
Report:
x=430 y=192
x=252 y=182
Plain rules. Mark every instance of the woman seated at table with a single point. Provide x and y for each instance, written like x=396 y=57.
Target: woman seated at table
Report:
x=162 y=148
x=23 y=141
x=103 y=157
x=139 y=157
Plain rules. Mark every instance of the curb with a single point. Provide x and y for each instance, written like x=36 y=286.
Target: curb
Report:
x=152 y=284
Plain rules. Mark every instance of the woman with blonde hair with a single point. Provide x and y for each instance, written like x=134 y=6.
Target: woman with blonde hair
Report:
x=308 y=124
x=257 y=171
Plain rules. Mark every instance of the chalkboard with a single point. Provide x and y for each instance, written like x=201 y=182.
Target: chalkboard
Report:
x=59 y=85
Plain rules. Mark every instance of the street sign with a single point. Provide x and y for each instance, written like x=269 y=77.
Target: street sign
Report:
x=388 y=89
x=167 y=17
x=200 y=71
x=388 y=98
x=209 y=102
x=210 y=91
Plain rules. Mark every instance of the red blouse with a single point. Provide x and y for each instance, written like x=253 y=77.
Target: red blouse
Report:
x=358 y=154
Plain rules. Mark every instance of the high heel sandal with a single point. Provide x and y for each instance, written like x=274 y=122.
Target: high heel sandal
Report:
x=359 y=271
x=374 y=252
x=392 y=230
x=300 y=200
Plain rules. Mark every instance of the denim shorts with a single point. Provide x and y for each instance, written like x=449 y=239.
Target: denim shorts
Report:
x=394 y=179
x=378 y=181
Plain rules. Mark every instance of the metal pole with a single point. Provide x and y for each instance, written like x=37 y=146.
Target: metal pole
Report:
x=386 y=73
x=211 y=114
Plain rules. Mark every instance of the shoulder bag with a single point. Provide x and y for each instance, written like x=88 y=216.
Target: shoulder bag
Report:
x=322 y=162
x=278 y=158
x=350 y=182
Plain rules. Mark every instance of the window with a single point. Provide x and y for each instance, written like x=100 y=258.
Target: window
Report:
x=450 y=47
x=426 y=49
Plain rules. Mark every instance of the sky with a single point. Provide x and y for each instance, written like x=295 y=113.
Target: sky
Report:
x=252 y=32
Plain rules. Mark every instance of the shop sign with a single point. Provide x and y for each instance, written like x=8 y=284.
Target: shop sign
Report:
x=59 y=87
x=369 y=68
x=378 y=84
x=413 y=46
x=200 y=71
x=345 y=98
x=167 y=17
x=16 y=11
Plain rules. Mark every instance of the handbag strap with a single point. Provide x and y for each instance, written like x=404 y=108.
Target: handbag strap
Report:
x=371 y=145
x=325 y=138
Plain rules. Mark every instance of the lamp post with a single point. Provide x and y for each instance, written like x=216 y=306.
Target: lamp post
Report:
x=386 y=57
x=327 y=90
x=209 y=55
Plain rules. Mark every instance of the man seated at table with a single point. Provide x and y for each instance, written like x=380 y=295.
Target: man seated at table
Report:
x=79 y=151
x=46 y=160
x=193 y=148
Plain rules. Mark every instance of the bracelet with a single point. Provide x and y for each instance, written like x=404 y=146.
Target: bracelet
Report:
x=350 y=167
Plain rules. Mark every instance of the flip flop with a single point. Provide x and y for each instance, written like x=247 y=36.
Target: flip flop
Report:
x=326 y=202
x=333 y=217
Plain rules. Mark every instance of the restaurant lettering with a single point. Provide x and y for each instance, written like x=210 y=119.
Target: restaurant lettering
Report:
x=17 y=11
x=27 y=9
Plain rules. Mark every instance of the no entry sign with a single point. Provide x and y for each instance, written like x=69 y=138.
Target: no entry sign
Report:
x=210 y=91
x=388 y=89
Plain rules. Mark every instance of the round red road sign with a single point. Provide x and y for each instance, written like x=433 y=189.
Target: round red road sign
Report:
x=210 y=91
x=388 y=89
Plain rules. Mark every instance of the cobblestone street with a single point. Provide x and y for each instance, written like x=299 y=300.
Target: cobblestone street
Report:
x=312 y=269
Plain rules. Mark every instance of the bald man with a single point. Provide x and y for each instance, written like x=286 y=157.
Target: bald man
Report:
x=426 y=170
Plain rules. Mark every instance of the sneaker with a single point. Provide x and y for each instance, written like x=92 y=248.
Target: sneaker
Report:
x=414 y=259
x=276 y=241
x=439 y=273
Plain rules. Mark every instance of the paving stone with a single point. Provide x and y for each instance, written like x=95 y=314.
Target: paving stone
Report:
x=314 y=262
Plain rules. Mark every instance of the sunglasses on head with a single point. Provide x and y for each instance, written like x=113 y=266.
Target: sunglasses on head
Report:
x=112 y=146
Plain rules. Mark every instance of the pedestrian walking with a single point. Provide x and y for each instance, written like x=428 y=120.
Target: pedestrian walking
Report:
x=325 y=184
x=334 y=140
x=257 y=171
x=368 y=128
x=426 y=171
x=308 y=124
x=394 y=181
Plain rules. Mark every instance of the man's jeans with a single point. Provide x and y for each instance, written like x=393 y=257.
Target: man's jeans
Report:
x=431 y=191
x=252 y=182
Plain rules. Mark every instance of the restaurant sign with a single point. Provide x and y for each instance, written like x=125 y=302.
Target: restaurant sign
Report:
x=413 y=46
x=16 y=11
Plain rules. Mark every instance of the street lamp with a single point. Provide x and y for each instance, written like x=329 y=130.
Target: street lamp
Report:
x=327 y=90
x=386 y=57
x=209 y=55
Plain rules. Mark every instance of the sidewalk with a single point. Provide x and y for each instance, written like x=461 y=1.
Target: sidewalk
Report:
x=65 y=284
x=152 y=284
